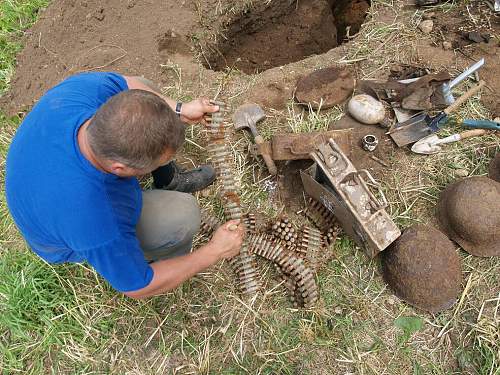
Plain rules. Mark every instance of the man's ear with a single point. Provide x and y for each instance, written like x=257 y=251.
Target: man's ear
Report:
x=120 y=169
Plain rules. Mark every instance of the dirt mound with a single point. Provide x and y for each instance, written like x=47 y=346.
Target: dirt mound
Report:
x=423 y=268
x=280 y=32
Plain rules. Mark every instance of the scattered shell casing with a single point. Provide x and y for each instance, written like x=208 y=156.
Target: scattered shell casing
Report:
x=320 y=216
x=298 y=278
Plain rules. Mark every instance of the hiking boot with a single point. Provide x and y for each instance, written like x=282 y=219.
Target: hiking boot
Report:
x=189 y=181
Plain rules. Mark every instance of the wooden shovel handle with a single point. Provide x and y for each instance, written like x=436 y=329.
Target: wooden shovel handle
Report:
x=464 y=98
x=265 y=155
x=472 y=133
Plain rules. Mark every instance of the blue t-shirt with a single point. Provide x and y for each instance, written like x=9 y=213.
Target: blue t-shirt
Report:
x=67 y=210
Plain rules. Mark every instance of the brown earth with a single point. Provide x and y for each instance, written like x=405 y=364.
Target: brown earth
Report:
x=168 y=47
x=89 y=35
x=280 y=32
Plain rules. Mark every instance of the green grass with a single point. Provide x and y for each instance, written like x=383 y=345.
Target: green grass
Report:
x=15 y=17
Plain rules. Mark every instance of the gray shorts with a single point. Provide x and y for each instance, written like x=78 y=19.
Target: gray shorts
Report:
x=169 y=220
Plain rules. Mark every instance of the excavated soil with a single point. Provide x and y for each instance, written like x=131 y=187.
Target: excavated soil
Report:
x=280 y=32
x=131 y=37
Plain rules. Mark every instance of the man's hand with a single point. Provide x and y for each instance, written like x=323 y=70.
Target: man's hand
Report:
x=194 y=111
x=227 y=240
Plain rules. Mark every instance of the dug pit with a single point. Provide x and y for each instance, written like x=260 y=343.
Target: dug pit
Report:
x=281 y=32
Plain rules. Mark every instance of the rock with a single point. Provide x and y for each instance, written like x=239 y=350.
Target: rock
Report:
x=366 y=109
x=423 y=268
x=447 y=45
x=461 y=172
x=426 y=26
x=325 y=87
x=476 y=37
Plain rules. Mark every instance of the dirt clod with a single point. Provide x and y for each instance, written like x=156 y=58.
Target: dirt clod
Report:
x=423 y=268
x=447 y=45
x=325 y=87
x=426 y=26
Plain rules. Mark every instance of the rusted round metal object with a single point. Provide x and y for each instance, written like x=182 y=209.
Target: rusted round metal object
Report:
x=325 y=87
x=494 y=169
x=468 y=212
x=423 y=268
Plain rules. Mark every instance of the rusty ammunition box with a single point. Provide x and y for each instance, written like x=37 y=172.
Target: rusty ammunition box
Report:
x=342 y=189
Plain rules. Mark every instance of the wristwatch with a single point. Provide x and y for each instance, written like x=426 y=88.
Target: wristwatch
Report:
x=178 y=108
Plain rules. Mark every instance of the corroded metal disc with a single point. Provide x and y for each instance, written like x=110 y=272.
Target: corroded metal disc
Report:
x=468 y=211
x=494 y=168
x=325 y=87
x=423 y=268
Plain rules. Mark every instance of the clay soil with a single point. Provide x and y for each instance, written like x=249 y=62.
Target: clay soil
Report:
x=281 y=32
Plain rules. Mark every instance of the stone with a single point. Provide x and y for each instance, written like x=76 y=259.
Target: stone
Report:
x=426 y=26
x=461 y=172
x=447 y=45
x=366 y=109
x=423 y=268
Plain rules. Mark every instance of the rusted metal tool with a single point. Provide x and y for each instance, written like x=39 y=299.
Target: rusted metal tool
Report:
x=342 y=189
x=423 y=125
x=222 y=159
x=297 y=146
x=247 y=116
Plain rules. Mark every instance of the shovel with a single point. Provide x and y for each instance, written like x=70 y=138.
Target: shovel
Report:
x=422 y=125
x=431 y=144
x=246 y=117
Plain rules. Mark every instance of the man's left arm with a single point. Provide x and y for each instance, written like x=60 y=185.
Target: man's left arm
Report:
x=192 y=112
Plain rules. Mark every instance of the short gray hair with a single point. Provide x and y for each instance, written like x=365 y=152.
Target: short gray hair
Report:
x=135 y=127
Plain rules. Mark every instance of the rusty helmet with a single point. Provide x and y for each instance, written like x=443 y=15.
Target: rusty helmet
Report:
x=494 y=168
x=422 y=267
x=468 y=211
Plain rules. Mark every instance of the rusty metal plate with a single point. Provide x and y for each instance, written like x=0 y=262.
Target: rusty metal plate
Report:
x=288 y=146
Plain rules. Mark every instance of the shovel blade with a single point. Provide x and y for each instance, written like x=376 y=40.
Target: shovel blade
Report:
x=247 y=115
x=405 y=135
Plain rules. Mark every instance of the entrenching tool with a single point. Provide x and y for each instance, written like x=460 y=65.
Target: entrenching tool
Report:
x=247 y=116
x=422 y=125
x=344 y=191
x=431 y=144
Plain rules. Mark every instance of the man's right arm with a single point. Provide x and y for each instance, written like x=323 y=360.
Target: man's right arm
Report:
x=170 y=273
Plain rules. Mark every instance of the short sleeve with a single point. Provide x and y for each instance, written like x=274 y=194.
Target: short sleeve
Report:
x=111 y=84
x=86 y=91
x=121 y=262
